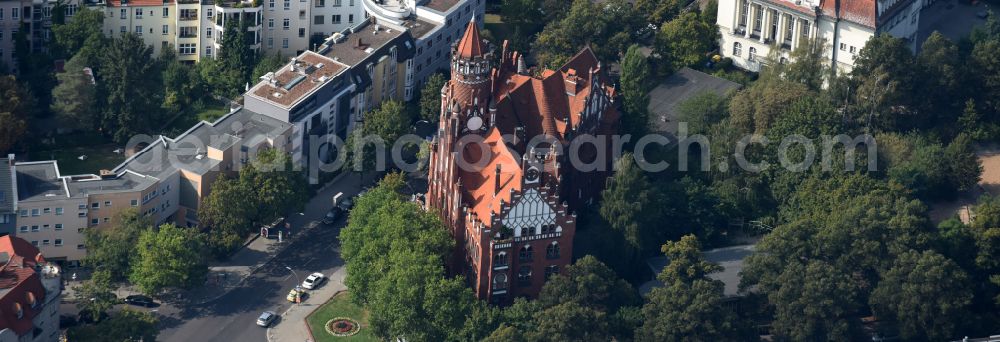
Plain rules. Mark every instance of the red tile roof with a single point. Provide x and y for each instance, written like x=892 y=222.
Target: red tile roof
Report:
x=22 y=285
x=861 y=12
x=471 y=44
x=550 y=105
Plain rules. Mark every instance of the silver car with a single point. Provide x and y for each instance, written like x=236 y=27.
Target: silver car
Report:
x=266 y=318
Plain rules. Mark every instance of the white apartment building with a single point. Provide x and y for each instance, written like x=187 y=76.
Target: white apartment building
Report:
x=191 y=27
x=441 y=23
x=32 y=16
x=751 y=29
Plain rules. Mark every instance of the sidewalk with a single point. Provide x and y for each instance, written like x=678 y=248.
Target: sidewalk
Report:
x=292 y=326
x=225 y=276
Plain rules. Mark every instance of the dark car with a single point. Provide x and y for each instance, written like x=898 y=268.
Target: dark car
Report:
x=331 y=216
x=140 y=300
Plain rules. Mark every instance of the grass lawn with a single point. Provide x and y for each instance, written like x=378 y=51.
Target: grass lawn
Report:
x=98 y=157
x=498 y=29
x=189 y=118
x=339 y=306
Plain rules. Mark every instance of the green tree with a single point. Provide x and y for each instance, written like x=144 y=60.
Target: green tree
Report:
x=963 y=164
x=276 y=188
x=659 y=12
x=710 y=12
x=227 y=211
x=96 y=295
x=684 y=41
x=689 y=312
x=942 y=76
x=15 y=104
x=236 y=60
x=818 y=267
x=430 y=97
x=506 y=333
x=169 y=257
x=394 y=253
x=583 y=24
x=589 y=283
x=523 y=15
x=125 y=325
x=131 y=94
x=926 y=293
x=112 y=250
x=74 y=100
x=884 y=77
x=635 y=85
x=183 y=85
x=808 y=64
x=268 y=63
x=631 y=206
x=702 y=110
x=85 y=28
x=388 y=122
x=563 y=322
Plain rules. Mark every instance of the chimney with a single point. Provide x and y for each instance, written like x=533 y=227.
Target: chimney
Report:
x=496 y=181
x=570 y=82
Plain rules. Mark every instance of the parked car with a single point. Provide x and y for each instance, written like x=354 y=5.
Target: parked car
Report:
x=313 y=281
x=140 y=300
x=331 y=216
x=266 y=318
x=346 y=204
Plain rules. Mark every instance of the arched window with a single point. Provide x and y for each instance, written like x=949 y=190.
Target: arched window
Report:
x=526 y=253
x=737 y=49
x=500 y=260
x=500 y=281
x=548 y=229
x=524 y=276
x=18 y=310
x=527 y=231
x=550 y=271
x=753 y=54
x=552 y=251
x=32 y=302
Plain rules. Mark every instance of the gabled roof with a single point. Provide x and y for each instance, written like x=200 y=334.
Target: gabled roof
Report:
x=471 y=44
x=21 y=287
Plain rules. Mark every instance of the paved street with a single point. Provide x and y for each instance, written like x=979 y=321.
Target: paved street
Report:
x=232 y=316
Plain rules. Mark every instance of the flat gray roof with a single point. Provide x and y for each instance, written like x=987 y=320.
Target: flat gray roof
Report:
x=730 y=258
x=125 y=182
x=682 y=85
x=38 y=181
x=166 y=155
x=362 y=43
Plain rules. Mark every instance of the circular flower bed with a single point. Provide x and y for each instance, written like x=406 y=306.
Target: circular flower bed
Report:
x=342 y=326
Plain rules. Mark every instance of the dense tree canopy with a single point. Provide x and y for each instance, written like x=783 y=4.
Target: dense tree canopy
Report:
x=169 y=257
x=129 y=90
x=15 y=104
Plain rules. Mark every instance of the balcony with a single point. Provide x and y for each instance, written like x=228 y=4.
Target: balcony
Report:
x=188 y=2
x=393 y=11
x=188 y=18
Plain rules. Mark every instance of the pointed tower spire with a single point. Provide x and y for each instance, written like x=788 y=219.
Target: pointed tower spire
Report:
x=471 y=44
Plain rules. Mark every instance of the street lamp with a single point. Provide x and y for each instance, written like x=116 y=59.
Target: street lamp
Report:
x=295 y=274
